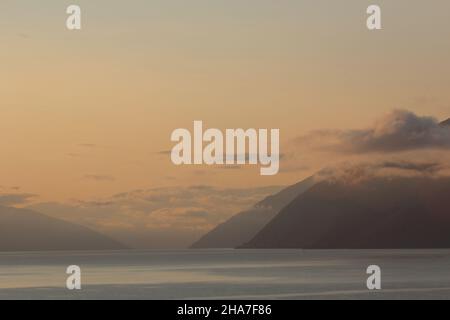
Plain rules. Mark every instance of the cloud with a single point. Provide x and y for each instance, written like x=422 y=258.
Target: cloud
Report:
x=94 y=203
x=362 y=171
x=100 y=178
x=246 y=156
x=196 y=214
x=15 y=198
x=88 y=145
x=164 y=152
x=172 y=217
x=427 y=168
x=398 y=131
x=230 y=167
x=73 y=155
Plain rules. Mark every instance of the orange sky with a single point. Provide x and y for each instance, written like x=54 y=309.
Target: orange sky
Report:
x=88 y=114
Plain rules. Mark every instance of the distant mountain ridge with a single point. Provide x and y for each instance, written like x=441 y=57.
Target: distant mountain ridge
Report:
x=246 y=228
x=243 y=226
x=382 y=213
x=27 y=230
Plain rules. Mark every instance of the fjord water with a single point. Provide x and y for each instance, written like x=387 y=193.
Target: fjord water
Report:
x=227 y=274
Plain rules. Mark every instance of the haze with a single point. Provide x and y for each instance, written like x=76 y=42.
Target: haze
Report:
x=86 y=116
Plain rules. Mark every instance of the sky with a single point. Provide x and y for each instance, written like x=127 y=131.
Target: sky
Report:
x=87 y=115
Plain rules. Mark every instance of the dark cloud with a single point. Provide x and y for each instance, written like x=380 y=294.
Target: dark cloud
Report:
x=73 y=155
x=99 y=177
x=230 y=167
x=294 y=167
x=224 y=157
x=362 y=171
x=196 y=214
x=94 y=203
x=430 y=167
x=398 y=131
x=164 y=152
x=15 y=199
x=88 y=145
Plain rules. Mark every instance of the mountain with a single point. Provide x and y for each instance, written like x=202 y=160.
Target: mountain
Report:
x=377 y=213
x=26 y=230
x=242 y=227
x=446 y=122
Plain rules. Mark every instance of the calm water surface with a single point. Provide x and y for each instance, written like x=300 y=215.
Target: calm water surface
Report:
x=227 y=274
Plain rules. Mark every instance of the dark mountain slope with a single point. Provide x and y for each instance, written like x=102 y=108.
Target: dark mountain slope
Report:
x=446 y=122
x=242 y=227
x=26 y=230
x=377 y=213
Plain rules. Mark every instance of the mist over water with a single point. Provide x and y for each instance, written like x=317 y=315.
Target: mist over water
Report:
x=227 y=274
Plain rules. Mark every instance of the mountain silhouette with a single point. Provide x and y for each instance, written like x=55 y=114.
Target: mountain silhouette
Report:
x=242 y=227
x=27 y=230
x=381 y=213
x=446 y=122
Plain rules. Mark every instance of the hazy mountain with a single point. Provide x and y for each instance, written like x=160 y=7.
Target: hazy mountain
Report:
x=26 y=230
x=242 y=227
x=446 y=122
x=380 y=213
